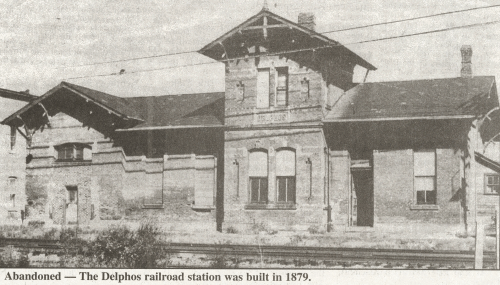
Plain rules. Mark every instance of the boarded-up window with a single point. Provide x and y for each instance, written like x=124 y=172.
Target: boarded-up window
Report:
x=263 y=88
x=12 y=189
x=205 y=182
x=258 y=172
x=285 y=175
x=240 y=91
x=282 y=86
x=424 y=169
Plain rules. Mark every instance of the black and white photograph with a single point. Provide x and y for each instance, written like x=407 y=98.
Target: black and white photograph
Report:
x=279 y=140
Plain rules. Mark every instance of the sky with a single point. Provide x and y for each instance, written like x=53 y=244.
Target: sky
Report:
x=45 y=42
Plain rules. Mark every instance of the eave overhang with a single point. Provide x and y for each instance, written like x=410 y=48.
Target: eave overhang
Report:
x=16 y=120
x=487 y=162
x=327 y=43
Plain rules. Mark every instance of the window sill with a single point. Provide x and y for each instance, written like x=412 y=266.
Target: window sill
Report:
x=271 y=207
x=152 y=206
x=73 y=162
x=202 y=208
x=424 y=207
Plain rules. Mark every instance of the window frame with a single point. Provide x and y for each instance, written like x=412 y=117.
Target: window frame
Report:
x=262 y=179
x=282 y=70
x=76 y=151
x=286 y=177
x=257 y=90
x=486 y=184
x=72 y=192
x=434 y=182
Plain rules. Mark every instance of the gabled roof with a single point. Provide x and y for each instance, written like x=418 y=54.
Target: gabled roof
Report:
x=147 y=112
x=272 y=21
x=111 y=103
x=417 y=99
x=21 y=96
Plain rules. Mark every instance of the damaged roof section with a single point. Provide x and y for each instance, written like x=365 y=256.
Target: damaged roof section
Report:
x=137 y=113
x=417 y=99
x=186 y=110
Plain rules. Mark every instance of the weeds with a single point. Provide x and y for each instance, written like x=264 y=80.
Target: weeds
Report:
x=122 y=247
x=220 y=259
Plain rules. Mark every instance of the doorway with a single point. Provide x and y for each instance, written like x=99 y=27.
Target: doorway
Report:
x=362 y=206
x=71 y=213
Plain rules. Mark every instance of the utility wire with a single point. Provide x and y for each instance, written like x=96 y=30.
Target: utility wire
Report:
x=131 y=59
x=347 y=29
x=411 y=19
x=294 y=51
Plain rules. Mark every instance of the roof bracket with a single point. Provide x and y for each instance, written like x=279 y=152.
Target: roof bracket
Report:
x=225 y=51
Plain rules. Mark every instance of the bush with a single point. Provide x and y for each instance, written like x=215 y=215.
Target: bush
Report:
x=13 y=259
x=231 y=230
x=122 y=247
x=314 y=229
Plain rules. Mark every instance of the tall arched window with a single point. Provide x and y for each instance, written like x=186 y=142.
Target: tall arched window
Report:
x=285 y=175
x=257 y=172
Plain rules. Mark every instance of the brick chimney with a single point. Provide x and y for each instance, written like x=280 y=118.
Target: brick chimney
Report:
x=466 y=70
x=307 y=20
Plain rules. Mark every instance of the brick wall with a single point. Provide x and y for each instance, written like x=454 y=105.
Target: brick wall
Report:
x=308 y=146
x=394 y=194
x=112 y=186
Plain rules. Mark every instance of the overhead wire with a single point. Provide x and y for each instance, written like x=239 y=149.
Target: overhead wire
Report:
x=300 y=50
x=327 y=32
x=411 y=19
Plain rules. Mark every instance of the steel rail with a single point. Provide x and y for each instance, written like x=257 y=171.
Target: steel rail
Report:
x=305 y=254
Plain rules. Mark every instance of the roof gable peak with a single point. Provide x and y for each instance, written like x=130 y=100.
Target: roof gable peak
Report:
x=267 y=29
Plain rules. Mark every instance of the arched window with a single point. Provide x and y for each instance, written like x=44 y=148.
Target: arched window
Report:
x=285 y=175
x=73 y=152
x=257 y=172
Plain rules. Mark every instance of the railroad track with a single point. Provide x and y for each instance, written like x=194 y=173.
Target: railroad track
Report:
x=295 y=255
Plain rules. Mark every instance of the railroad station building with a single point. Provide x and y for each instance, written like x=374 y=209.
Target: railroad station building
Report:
x=292 y=142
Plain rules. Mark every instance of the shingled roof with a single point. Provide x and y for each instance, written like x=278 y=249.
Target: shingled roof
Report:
x=424 y=99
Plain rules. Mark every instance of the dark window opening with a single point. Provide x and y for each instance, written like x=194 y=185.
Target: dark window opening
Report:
x=258 y=173
x=73 y=152
x=491 y=183
x=258 y=190
x=424 y=168
x=282 y=86
x=72 y=194
x=286 y=189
